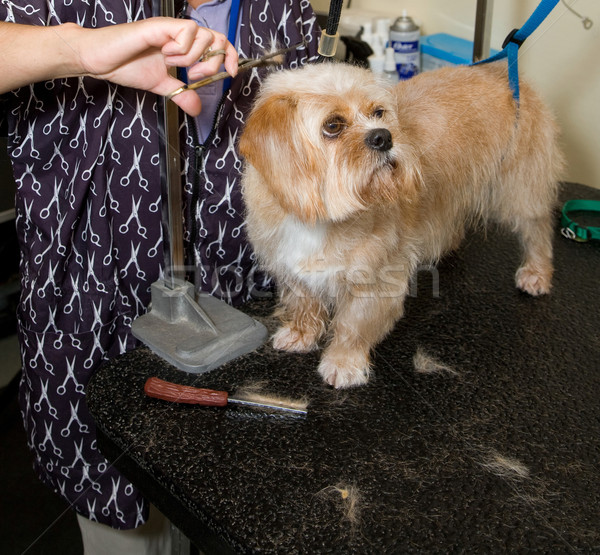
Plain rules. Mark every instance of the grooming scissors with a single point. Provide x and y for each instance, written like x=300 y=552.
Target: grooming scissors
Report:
x=243 y=65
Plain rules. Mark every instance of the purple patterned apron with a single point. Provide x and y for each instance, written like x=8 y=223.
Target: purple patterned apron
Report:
x=85 y=158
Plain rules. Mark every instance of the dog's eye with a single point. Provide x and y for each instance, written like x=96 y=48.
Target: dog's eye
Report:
x=334 y=126
x=378 y=113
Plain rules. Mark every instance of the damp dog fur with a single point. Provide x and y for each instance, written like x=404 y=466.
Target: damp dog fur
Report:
x=349 y=186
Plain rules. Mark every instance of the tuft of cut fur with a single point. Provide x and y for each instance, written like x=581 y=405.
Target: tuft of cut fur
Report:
x=426 y=364
x=350 y=185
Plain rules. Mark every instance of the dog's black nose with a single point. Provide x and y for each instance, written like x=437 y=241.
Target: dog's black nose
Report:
x=379 y=139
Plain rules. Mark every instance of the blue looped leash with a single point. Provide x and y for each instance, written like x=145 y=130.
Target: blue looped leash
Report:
x=510 y=49
x=514 y=40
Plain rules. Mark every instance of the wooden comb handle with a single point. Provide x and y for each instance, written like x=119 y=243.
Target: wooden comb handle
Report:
x=168 y=391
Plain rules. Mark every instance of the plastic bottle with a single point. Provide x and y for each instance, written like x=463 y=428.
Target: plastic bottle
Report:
x=389 y=67
x=404 y=39
x=367 y=33
x=377 y=59
x=382 y=30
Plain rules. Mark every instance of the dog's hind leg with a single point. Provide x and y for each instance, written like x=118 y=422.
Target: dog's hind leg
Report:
x=524 y=199
x=526 y=206
x=534 y=276
x=529 y=191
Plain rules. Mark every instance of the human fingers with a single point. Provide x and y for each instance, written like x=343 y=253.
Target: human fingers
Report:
x=224 y=54
x=188 y=45
x=189 y=102
x=105 y=50
x=231 y=60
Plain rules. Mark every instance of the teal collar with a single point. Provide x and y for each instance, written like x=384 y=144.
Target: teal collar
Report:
x=571 y=229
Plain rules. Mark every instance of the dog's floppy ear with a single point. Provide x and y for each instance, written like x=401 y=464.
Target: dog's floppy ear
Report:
x=273 y=142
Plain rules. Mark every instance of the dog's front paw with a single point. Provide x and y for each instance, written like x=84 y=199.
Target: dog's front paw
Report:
x=345 y=369
x=293 y=340
x=534 y=281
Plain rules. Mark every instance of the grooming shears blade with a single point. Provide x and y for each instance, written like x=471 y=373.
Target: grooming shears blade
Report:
x=243 y=65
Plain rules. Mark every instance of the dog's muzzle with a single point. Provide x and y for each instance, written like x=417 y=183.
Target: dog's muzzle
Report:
x=379 y=139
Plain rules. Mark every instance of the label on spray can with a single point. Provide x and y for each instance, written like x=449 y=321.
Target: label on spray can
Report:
x=404 y=39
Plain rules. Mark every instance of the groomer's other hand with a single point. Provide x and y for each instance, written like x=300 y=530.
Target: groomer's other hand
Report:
x=139 y=54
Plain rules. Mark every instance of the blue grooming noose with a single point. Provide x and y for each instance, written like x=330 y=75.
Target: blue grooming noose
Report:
x=512 y=43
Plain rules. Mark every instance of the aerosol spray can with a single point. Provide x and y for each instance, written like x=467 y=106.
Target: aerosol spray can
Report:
x=404 y=39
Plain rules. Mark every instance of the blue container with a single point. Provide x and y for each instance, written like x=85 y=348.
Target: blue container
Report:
x=441 y=50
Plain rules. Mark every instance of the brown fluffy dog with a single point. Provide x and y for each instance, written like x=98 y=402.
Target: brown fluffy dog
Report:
x=350 y=186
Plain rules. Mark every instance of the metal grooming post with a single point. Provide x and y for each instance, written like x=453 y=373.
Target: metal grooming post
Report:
x=169 y=148
x=483 y=29
x=194 y=334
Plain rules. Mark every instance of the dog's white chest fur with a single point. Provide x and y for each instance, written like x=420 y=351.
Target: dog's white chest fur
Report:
x=300 y=251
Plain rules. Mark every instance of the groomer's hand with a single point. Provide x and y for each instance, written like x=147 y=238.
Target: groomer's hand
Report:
x=136 y=54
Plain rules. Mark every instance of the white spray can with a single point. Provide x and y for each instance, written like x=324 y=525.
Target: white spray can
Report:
x=404 y=39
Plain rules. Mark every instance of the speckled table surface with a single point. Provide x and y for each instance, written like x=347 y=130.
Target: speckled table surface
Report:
x=498 y=450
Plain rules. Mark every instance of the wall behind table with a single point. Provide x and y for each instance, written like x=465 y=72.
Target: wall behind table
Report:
x=561 y=59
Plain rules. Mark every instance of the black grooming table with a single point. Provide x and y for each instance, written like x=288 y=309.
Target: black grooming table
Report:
x=496 y=448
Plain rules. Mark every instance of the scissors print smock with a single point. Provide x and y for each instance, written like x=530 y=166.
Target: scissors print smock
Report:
x=88 y=216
